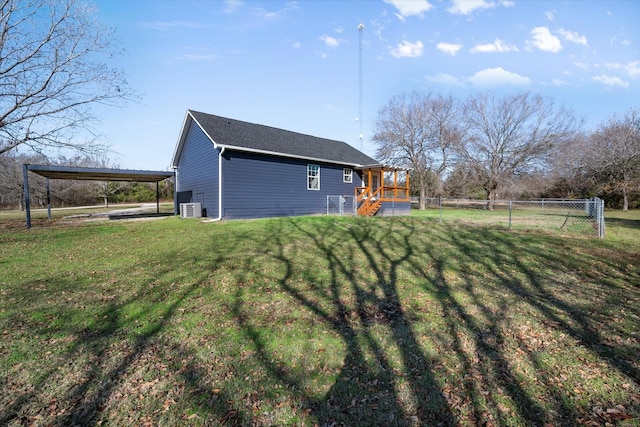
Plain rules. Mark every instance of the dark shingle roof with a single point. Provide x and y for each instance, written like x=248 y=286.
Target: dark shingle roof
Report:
x=236 y=134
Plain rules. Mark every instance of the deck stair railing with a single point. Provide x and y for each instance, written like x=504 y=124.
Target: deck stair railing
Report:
x=368 y=202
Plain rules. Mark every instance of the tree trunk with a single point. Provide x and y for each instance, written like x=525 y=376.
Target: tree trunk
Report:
x=491 y=197
x=423 y=195
x=625 y=200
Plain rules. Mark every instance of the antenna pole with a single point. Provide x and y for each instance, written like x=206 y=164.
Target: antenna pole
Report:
x=360 y=135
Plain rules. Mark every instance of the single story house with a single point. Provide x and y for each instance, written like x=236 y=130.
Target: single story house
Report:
x=236 y=169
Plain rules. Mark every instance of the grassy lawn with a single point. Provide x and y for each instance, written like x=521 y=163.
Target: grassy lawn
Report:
x=319 y=320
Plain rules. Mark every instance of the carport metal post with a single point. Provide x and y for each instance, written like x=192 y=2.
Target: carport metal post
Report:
x=48 y=200
x=27 y=204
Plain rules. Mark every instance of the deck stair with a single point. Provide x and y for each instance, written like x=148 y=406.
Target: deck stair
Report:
x=369 y=202
x=369 y=207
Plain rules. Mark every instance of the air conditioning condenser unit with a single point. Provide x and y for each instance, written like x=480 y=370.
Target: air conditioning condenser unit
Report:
x=190 y=210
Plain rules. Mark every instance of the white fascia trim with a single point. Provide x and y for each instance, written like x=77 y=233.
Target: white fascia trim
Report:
x=181 y=138
x=204 y=131
x=292 y=156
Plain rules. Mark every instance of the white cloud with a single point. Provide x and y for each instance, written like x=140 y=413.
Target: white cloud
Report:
x=497 y=46
x=296 y=45
x=408 y=50
x=466 y=7
x=498 y=77
x=632 y=68
x=542 y=39
x=444 y=79
x=449 y=48
x=232 y=5
x=168 y=25
x=408 y=8
x=197 y=54
x=377 y=29
x=266 y=15
x=550 y=14
x=573 y=37
x=331 y=42
x=558 y=82
x=331 y=107
x=611 y=81
x=198 y=57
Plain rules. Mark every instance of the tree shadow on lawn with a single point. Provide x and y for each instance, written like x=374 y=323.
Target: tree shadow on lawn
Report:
x=120 y=357
x=368 y=387
x=485 y=293
x=434 y=325
x=620 y=222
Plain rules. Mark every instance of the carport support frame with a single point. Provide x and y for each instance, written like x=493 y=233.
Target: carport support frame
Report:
x=93 y=174
x=48 y=199
x=27 y=202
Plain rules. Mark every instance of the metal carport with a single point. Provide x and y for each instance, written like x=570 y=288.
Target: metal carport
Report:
x=89 y=174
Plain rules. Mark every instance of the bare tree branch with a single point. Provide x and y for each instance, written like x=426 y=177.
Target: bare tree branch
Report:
x=511 y=136
x=53 y=69
x=613 y=154
x=419 y=131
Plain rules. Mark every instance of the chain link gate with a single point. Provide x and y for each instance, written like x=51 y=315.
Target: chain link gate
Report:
x=341 y=205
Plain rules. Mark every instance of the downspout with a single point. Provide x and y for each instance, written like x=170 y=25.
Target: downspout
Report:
x=175 y=190
x=219 y=185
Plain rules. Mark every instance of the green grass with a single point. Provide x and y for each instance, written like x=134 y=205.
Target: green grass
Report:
x=316 y=320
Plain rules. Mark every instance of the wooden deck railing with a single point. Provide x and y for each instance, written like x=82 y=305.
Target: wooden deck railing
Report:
x=384 y=194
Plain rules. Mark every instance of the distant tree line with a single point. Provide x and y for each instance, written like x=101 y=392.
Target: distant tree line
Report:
x=70 y=192
x=517 y=146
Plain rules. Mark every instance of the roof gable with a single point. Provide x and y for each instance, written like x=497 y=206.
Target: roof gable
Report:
x=244 y=136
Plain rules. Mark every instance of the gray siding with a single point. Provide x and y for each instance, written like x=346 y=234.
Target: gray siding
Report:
x=198 y=170
x=257 y=186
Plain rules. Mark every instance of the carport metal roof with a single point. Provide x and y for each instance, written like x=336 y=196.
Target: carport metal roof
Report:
x=98 y=174
x=90 y=174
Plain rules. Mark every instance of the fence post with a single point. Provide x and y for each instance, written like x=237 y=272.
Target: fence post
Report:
x=602 y=227
x=510 y=209
x=599 y=211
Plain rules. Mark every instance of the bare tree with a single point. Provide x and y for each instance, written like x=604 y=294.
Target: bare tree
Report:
x=613 y=155
x=53 y=69
x=567 y=178
x=419 y=130
x=511 y=135
x=12 y=184
x=106 y=190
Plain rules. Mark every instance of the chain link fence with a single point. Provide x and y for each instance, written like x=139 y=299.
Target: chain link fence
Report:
x=341 y=205
x=584 y=216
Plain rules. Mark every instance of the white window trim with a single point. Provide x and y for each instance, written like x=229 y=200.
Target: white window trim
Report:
x=309 y=176
x=345 y=175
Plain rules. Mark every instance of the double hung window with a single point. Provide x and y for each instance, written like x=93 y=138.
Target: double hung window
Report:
x=347 y=175
x=313 y=177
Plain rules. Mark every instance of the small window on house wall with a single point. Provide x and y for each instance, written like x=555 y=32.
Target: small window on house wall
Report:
x=347 y=175
x=313 y=177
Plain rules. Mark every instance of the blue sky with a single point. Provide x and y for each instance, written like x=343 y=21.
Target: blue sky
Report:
x=295 y=64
